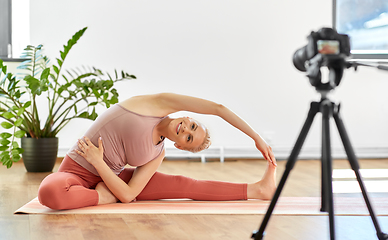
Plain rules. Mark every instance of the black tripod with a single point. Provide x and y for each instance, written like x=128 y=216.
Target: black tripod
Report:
x=325 y=48
x=328 y=110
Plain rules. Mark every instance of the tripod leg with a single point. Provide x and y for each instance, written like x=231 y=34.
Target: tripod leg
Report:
x=327 y=188
x=356 y=168
x=314 y=108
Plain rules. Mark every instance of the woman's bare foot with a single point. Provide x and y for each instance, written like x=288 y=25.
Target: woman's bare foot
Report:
x=105 y=196
x=266 y=187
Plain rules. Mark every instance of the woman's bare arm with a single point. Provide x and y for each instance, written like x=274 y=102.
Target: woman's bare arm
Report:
x=171 y=103
x=175 y=102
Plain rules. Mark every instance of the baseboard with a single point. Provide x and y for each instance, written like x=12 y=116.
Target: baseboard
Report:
x=280 y=153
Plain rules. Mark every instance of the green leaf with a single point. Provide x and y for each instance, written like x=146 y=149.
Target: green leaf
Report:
x=45 y=74
x=59 y=62
x=8 y=115
x=4 y=153
x=107 y=84
x=4 y=142
x=93 y=104
x=15 y=144
x=27 y=104
x=114 y=100
x=12 y=84
x=5 y=135
x=20 y=150
x=71 y=43
x=14 y=152
x=20 y=111
x=86 y=90
x=68 y=72
x=7 y=162
x=16 y=157
x=84 y=115
x=17 y=94
x=106 y=95
x=20 y=134
x=63 y=55
x=3 y=148
x=78 y=84
x=33 y=84
x=94 y=115
x=61 y=89
x=96 y=93
x=36 y=86
x=6 y=125
x=18 y=122
x=44 y=85
x=64 y=77
x=56 y=69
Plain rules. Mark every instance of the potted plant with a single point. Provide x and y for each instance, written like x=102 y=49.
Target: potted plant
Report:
x=70 y=94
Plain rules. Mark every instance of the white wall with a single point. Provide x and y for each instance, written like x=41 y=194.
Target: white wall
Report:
x=233 y=52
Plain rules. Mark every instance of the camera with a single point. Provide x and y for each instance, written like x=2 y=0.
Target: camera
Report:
x=324 y=48
x=327 y=42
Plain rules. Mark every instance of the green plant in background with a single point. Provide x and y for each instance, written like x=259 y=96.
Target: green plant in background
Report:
x=73 y=94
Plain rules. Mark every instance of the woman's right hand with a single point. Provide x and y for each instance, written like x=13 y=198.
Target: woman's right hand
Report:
x=266 y=150
x=91 y=153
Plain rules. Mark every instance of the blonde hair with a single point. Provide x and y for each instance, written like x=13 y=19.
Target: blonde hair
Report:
x=205 y=144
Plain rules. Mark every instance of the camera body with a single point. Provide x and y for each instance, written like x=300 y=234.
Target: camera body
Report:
x=325 y=48
x=326 y=42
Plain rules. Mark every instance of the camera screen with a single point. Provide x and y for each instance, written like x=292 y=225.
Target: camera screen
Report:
x=328 y=47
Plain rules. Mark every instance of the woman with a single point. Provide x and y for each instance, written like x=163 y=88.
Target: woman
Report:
x=133 y=132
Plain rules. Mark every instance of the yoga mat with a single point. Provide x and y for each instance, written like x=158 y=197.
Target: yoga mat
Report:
x=285 y=206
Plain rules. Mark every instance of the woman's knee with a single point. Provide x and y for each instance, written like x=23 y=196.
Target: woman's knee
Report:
x=51 y=194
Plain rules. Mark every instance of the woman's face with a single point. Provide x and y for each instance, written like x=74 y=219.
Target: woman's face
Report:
x=188 y=133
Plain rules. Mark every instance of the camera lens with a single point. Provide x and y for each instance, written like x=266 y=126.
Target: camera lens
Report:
x=299 y=59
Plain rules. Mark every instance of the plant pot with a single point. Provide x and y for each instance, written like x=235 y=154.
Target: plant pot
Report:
x=40 y=154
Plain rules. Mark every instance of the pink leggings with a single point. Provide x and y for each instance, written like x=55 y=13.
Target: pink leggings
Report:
x=73 y=187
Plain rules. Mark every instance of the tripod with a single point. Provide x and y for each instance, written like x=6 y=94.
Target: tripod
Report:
x=328 y=109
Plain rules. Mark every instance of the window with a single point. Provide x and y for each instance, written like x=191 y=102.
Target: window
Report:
x=366 y=23
x=14 y=28
x=5 y=26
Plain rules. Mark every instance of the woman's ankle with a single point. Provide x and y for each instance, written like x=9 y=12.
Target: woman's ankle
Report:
x=104 y=194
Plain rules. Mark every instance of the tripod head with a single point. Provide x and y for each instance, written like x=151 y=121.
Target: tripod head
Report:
x=335 y=64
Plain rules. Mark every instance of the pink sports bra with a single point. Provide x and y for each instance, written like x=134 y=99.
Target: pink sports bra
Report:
x=126 y=138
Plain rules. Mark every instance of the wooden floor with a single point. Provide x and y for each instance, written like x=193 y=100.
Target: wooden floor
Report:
x=17 y=187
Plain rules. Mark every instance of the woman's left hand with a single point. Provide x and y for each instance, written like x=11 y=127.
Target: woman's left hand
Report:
x=91 y=153
x=266 y=150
